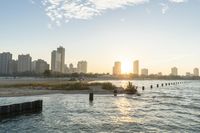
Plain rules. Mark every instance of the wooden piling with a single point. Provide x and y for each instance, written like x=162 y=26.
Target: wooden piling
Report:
x=151 y=86
x=143 y=87
x=115 y=92
x=91 y=96
x=157 y=85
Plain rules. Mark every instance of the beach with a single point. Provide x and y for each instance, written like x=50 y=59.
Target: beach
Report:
x=11 y=87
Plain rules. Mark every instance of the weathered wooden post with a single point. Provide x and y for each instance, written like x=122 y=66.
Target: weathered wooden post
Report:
x=151 y=86
x=157 y=85
x=115 y=92
x=91 y=95
x=143 y=87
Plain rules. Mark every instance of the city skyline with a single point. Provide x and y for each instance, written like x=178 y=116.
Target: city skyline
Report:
x=82 y=66
x=161 y=34
x=25 y=65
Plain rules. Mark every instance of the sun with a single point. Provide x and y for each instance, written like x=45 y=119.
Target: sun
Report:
x=126 y=67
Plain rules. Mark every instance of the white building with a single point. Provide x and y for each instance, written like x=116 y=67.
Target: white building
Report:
x=58 y=60
x=5 y=60
x=13 y=67
x=24 y=63
x=117 y=68
x=82 y=67
x=41 y=66
x=61 y=50
x=136 y=67
x=196 y=72
x=174 y=71
x=144 y=72
x=72 y=69
x=188 y=74
x=55 y=61
x=33 y=66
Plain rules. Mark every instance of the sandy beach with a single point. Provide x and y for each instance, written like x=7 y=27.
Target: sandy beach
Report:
x=30 y=91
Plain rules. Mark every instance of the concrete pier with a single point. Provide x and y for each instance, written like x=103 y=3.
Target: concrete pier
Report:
x=20 y=109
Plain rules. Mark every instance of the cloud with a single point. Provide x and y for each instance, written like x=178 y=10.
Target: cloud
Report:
x=178 y=1
x=165 y=7
x=62 y=11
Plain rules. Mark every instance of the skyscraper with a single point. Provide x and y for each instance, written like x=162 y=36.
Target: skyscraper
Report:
x=82 y=66
x=117 y=68
x=41 y=66
x=56 y=61
x=24 y=63
x=196 y=72
x=13 y=67
x=5 y=60
x=144 y=72
x=61 y=50
x=136 y=67
x=174 y=71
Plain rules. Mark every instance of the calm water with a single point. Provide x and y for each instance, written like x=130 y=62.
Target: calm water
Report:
x=164 y=109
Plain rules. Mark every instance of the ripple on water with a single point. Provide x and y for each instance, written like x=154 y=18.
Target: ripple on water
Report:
x=166 y=109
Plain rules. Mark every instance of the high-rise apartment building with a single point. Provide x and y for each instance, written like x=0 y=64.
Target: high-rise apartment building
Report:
x=55 y=61
x=41 y=66
x=58 y=60
x=174 y=71
x=136 y=67
x=24 y=63
x=61 y=50
x=82 y=66
x=196 y=72
x=144 y=72
x=5 y=60
x=13 y=67
x=117 y=68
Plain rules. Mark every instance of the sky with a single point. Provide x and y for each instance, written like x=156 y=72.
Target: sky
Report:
x=159 y=33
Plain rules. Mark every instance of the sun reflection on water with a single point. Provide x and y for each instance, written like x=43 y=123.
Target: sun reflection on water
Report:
x=125 y=111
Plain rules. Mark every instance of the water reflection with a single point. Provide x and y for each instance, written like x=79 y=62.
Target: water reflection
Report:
x=125 y=110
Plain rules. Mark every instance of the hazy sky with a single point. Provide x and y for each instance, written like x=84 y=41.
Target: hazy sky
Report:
x=160 y=33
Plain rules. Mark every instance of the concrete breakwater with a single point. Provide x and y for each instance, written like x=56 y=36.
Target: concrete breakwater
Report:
x=20 y=109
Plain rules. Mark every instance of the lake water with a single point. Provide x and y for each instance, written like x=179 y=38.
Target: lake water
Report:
x=164 y=109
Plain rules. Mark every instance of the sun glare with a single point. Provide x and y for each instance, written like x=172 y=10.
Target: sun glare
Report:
x=126 y=67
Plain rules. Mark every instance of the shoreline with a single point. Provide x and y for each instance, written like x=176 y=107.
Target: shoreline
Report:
x=18 y=92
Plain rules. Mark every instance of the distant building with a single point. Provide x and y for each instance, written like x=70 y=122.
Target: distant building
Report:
x=24 y=63
x=196 y=72
x=174 y=71
x=58 y=60
x=188 y=74
x=61 y=50
x=66 y=69
x=144 y=72
x=72 y=69
x=33 y=66
x=82 y=66
x=136 y=67
x=41 y=66
x=55 y=61
x=13 y=67
x=5 y=60
x=117 y=68
x=160 y=74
